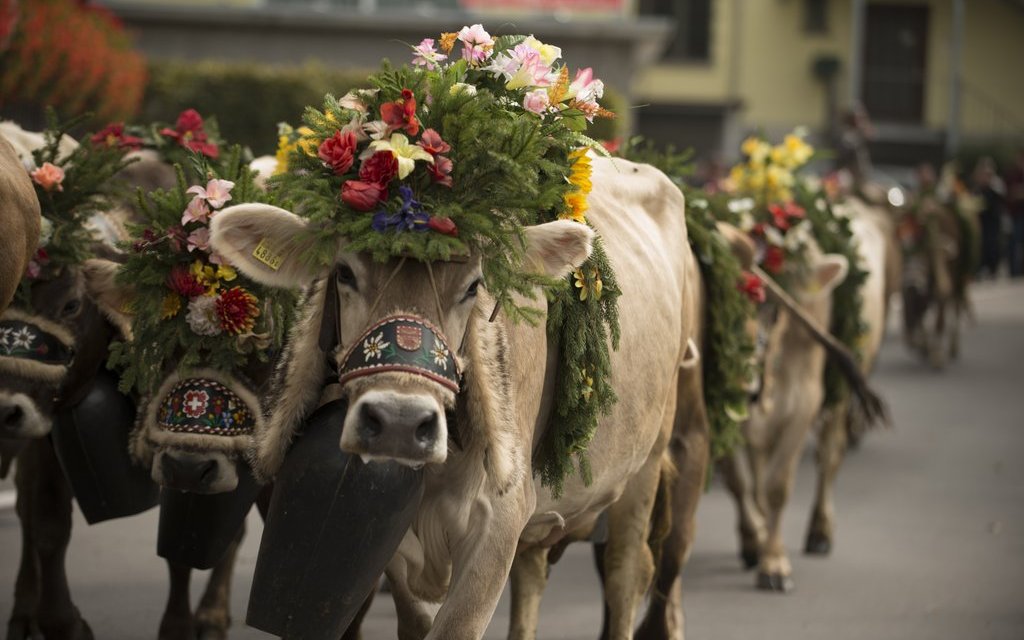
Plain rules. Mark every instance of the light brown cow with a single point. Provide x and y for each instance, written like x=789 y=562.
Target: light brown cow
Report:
x=761 y=474
x=481 y=501
x=19 y=219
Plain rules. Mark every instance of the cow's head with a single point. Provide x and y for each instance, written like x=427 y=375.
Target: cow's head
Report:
x=50 y=351
x=393 y=331
x=193 y=430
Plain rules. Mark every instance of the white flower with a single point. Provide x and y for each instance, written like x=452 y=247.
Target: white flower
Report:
x=356 y=99
x=202 y=316
x=5 y=339
x=462 y=87
x=774 y=236
x=22 y=338
x=747 y=221
x=742 y=204
x=45 y=231
x=376 y=129
x=440 y=354
x=374 y=347
x=798 y=236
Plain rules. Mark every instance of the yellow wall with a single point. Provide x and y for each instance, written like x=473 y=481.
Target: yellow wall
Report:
x=772 y=53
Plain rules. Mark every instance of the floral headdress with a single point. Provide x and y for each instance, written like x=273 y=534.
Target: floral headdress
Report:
x=187 y=303
x=190 y=134
x=480 y=137
x=71 y=187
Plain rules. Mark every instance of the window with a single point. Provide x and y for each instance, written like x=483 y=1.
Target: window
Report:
x=692 y=37
x=816 y=16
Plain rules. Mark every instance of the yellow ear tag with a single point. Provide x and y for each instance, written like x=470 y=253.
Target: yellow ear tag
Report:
x=265 y=254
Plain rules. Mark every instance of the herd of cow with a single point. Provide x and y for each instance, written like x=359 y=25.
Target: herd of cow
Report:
x=483 y=517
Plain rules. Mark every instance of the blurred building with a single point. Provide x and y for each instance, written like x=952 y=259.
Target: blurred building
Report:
x=933 y=74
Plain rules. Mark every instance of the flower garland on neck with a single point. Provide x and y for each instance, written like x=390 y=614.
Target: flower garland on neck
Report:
x=457 y=154
x=189 y=307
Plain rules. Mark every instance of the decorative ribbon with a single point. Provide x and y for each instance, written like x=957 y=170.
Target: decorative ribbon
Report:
x=20 y=339
x=402 y=343
x=200 y=405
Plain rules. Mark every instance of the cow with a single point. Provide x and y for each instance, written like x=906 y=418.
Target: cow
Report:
x=872 y=232
x=19 y=218
x=760 y=475
x=481 y=501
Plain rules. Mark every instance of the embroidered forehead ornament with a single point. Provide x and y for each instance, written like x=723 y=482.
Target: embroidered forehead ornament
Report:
x=402 y=343
x=203 y=406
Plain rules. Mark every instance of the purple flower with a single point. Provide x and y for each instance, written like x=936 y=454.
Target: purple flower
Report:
x=410 y=217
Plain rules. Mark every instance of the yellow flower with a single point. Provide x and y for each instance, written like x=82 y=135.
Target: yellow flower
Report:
x=756 y=150
x=448 y=41
x=406 y=153
x=206 y=275
x=588 y=385
x=171 y=306
x=226 y=272
x=575 y=207
x=548 y=53
x=580 y=171
x=799 y=151
x=595 y=288
x=285 y=146
x=307 y=141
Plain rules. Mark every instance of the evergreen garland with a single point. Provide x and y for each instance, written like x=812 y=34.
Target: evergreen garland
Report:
x=490 y=144
x=172 y=276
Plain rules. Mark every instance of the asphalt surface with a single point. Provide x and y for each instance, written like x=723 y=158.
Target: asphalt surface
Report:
x=930 y=542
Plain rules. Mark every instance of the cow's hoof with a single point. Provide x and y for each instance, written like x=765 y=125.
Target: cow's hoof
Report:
x=749 y=558
x=177 y=628
x=23 y=628
x=774 y=582
x=818 y=544
x=211 y=633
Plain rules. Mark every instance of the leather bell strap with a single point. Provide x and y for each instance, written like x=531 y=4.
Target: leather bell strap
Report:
x=20 y=339
x=203 y=406
x=402 y=343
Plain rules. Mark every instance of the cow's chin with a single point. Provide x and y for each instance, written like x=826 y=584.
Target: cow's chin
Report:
x=194 y=471
x=404 y=425
x=21 y=418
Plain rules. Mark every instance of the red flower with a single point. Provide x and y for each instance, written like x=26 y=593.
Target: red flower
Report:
x=401 y=114
x=774 y=259
x=444 y=226
x=113 y=135
x=753 y=287
x=363 y=196
x=783 y=215
x=612 y=146
x=441 y=170
x=337 y=151
x=189 y=133
x=432 y=143
x=237 y=310
x=380 y=168
x=183 y=283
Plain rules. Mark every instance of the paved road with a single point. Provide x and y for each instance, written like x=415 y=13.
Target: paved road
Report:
x=930 y=545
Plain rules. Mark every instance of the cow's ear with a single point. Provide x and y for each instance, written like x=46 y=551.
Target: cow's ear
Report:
x=556 y=248
x=113 y=298
x=266 y=243
x=828 y=273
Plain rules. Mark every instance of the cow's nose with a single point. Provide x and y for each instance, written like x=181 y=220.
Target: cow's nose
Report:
x=398 y=424
x=11 y=417
x=188 y=472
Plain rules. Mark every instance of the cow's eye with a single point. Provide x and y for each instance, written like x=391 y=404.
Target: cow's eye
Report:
x=472 y=289
x=345 y=276
x=71 y=307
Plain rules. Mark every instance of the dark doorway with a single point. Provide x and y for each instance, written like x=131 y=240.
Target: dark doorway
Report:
x=895 y=57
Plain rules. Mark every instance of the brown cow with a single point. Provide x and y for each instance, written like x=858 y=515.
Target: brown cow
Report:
x=19 y=218
x=481 y=502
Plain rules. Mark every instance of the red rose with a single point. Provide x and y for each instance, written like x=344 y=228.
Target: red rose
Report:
x=753 y=287
x=441 y=170
x=774 y=259
x=783 y=215
x=380 y=168
x=337 y=151
x=363 y=196
x=433 y=144
x=444 y=226
x=401 y=114
x=189 y=120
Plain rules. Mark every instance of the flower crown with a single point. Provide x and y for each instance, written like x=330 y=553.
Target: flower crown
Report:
x=190 y=134
x=70 y=187
x=450 y=155
x=187 y=302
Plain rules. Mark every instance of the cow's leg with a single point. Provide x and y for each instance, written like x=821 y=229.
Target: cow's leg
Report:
x=830 y=453
x=937 y=346
x=735 y=470
x=481 y=561
x=177 y=622
x=22 y=624
x=213 y=616
x=529 y=576
x=689 y=450
x=954 y=331
x=58 y=617
x=415 y=616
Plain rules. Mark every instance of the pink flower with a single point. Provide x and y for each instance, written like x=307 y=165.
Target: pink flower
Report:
x=216 y=193
x=49 y=177
x=477 y=44
x=525 y=67
x=424 y=55
x=432 y=143
x=537 y=101
x=196 y=211
x=363 y=196
x=585 y=87
x=441 y=170
x=199 y=239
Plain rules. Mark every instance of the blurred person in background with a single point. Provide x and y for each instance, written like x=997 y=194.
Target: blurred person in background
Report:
x=1014 y=178
x=852 y=146
x=988 y=186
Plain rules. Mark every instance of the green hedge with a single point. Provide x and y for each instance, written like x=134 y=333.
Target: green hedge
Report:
x=249 y=100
